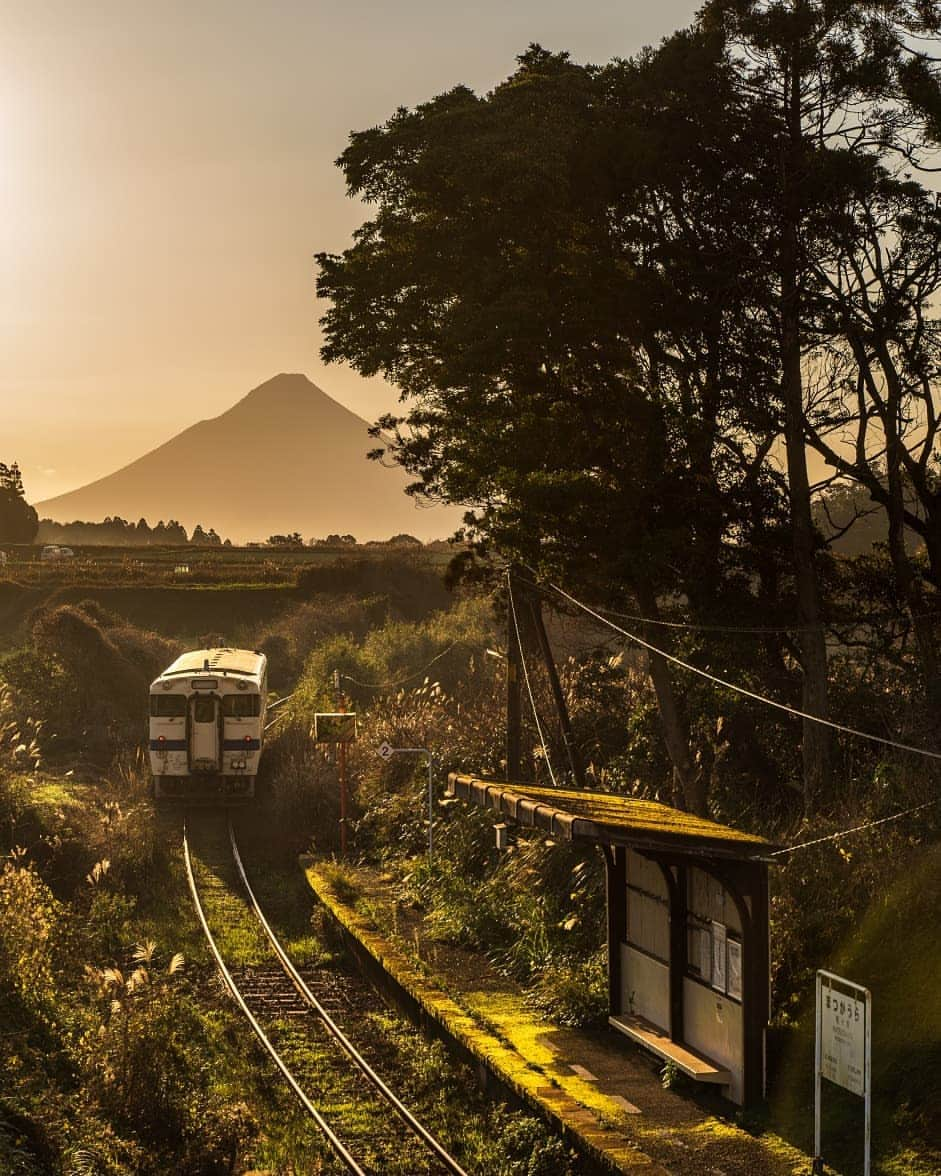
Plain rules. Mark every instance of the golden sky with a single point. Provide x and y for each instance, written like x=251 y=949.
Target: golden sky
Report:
x=166 y=174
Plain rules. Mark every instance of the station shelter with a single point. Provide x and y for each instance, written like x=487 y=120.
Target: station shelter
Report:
x=688 y=933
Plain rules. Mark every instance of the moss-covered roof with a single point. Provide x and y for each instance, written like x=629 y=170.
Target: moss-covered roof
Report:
x=608 y=819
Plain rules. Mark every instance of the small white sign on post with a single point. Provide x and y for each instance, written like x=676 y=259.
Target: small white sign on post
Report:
x=719 y=940
x=843 y=1047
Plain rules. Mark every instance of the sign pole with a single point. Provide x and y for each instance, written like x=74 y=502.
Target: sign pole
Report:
x=431 y=809
x=818 y=1158
x=341 y=764
x=868 y=1080
x=386 y=751
x=338 y=728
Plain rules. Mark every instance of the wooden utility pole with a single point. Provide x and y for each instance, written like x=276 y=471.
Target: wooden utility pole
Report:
x=578 y=775
x=513 y=699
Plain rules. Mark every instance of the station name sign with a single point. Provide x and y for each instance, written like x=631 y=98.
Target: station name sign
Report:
x=843 y=1051
x=335 y=728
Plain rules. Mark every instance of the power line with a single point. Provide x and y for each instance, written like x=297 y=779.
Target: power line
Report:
x=402 y=681
x=529 y=691
x=856 y=829
x=742 y=690
x=692 y=626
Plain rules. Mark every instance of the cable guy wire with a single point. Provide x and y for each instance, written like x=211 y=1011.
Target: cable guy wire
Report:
x=856 y=829
x=402 y=681
x=781 y=706
x=532 y=701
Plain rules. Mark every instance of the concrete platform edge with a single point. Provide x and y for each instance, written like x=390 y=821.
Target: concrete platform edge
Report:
x=420 y=999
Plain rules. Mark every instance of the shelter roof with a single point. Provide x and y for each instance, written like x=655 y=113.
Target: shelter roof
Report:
x=607 y=819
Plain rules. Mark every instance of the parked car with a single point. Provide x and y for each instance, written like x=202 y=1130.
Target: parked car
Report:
x=52 y=552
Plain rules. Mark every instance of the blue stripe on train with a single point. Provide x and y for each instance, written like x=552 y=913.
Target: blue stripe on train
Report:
x=168 y=745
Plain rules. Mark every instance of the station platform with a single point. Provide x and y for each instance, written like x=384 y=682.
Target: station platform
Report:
x=599 y=1091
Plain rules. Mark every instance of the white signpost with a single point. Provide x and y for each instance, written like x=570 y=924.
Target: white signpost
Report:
x=843 y=1048
x=386 y=751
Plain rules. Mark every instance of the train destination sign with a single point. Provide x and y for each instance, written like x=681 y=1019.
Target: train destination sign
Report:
x=335 y=728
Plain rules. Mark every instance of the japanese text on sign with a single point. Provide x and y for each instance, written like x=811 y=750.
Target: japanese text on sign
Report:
x=843 y=1040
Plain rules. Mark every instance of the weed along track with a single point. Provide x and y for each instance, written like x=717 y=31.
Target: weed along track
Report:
x=360 y=1119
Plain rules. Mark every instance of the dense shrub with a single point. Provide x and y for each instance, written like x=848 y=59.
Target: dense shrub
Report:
x=85 y=677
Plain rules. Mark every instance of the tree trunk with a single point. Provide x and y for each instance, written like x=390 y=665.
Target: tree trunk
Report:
x=689 y=781
x=815 y=747
x=906 y=578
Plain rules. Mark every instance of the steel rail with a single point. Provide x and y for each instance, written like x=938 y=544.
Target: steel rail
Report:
x=328 y=1132
x=335 y=1031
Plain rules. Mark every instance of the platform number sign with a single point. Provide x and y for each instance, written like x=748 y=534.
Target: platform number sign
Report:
x=843 y=1048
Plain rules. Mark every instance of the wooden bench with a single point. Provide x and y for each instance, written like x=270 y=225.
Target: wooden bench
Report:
x=650 y=1036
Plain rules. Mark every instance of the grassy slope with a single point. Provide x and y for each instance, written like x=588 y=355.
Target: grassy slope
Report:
x=896 y=953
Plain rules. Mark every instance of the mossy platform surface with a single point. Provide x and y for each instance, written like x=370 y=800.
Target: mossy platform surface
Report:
x=599 y=1091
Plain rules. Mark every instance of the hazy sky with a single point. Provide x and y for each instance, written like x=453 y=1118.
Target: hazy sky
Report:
x=166 y=174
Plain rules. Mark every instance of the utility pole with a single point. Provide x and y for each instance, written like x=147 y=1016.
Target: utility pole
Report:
x=578 y=775
x=513 y=698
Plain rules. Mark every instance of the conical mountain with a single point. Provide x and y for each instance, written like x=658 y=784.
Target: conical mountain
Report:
x=285 y=458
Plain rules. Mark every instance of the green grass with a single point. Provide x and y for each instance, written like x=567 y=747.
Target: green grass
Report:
x=895 y=951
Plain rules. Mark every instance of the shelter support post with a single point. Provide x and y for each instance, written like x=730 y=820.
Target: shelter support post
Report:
x=615 y=858
x=675 y=877
x=757 y=985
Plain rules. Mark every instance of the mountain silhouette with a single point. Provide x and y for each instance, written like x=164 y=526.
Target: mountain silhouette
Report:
x=285 y=458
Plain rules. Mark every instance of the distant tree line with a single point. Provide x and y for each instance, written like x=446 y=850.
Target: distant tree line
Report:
x=18 y=520
x=118 y=532
x=296 y=540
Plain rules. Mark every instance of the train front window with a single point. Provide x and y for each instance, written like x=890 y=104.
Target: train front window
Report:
x=204 y=709
x=168 y=706
x=241 y=706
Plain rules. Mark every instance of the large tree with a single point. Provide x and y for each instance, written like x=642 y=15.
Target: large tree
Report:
x=553 y=279
x=842 y=86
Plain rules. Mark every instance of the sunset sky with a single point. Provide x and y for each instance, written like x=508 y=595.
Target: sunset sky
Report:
x=166 y=174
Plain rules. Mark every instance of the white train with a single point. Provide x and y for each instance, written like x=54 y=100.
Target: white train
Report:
x=207 y=725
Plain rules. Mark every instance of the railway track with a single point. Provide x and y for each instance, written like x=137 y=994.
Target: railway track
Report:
x=360 y=1118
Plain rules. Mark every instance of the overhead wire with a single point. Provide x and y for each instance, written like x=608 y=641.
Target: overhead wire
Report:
x=857 y=828
x=692 y=626
x=790 y=710
x=408 y=678
x=529 y=691
x=733 y=686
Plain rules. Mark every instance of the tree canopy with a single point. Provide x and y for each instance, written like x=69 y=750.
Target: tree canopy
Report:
x=619 y=302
